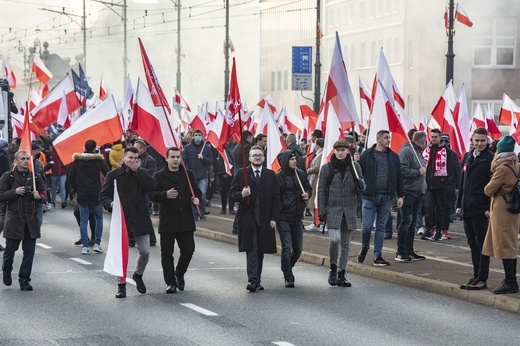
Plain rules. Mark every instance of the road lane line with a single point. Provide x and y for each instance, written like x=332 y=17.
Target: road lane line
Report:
x=199 y=309
x=79 y=260
x=282 y=343
x=43 y=246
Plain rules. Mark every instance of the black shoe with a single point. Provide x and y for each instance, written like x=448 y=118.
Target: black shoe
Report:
x=223 y=211
x=333 y=275
x=121 y=291
x=234 y=231
x=8 y=281
x=180 y=283
x=362 y=255
x=427 y=235
x=26 y=286
x=202 y=217
x=402 y=258
x=153 y=244
x=139 y=283
x=464 y=286
x=171 y=289
x=78 y=243
x=63 y=205
x=416 y=257
x=289 y=282
x=2 y=248
x=206 y=212
x=477 y=284
x=342 y=281
x=308 y=213
x=506 y=289
x=436 y=237
x=131 y=242
x=232 y=212
x=259 y=287
x=388 y=236
x=380 y=262
x=251 y=287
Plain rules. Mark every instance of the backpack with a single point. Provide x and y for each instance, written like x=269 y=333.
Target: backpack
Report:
x=513 y=205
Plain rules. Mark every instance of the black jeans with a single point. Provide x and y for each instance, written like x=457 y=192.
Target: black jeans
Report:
x=434 y=207
x=291 y=237
x=28 y=247
x=476 y=229
x=186 y=245
x=406 y=229
x=225 y=184
x=254 y=261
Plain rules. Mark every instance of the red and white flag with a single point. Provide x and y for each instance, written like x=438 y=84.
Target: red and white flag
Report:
x=46 y=112
x=461 y=117
x=100 y=124
x=180 y=101
x=103 y=89
x=462 y=16
x=308 y=116
x=63 y=114
x=269 y=100
x=219 y=131
x=9 y=74
x=446 y=18
x=491 y=126
x=365 y=93
x=127 y=110
x=422 y=123
x=514 y=131
x=26 y=143
x=508 y=109
x=153 y=128
x=339 y=93
x=290 y=122
x=199 y=122
x=42 y=72
x=275 y=142
x=447 y=99
x=116 y=260
x=479 y=120
x=319 y=29
x=334 y=133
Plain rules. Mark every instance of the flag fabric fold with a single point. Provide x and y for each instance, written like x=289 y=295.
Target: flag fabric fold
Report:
x=462 y=16
x=42 y=72
x=11 y=78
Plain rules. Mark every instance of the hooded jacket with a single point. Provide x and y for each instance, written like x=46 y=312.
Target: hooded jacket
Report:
x=85 y=177
x=292 y=204
x=116 y=155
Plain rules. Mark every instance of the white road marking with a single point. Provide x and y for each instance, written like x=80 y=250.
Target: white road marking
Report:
x=282 y=343
x=199 y=309
x=43 y=246
x=79 y=260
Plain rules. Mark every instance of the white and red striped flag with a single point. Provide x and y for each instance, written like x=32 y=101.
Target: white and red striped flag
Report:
x=462 y=16
x=103 y=89
x=446 y=18
x=116 y=260
x=180 y=101
x=365 y=93
x=461 y=117
x=491 y=126
x=509 y=108
x=9 y=74
x=63 y=113
x=42 y=72
x=199 y=122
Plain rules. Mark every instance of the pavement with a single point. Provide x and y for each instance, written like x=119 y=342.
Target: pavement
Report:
x=447 y=264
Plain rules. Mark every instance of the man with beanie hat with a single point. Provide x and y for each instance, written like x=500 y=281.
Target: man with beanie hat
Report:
x=295 y=191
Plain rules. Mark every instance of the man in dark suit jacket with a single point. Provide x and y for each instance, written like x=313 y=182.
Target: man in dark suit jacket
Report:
x=259 y=207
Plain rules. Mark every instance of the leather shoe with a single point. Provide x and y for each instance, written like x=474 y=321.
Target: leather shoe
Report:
x=477 y=284
x=207 y=212
x=139 y=283
x=223 y=211
x=180 y=283
x=121 y=291
x=251 y=287
x=25 y=286
x=388 y=236
x=506 y=289
x=8 y=281
x=171 y=289
x=259 y=287
x=464 y=286
x=289 y=283
x=232 y=212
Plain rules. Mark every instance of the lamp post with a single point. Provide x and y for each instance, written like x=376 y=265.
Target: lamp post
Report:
x=450 y=32
x=226 y=55
x=317 y=64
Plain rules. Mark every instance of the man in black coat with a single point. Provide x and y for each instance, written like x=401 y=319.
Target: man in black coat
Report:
x=133 y=184
x=259 y=207
x=473 y=206
x=176 y=221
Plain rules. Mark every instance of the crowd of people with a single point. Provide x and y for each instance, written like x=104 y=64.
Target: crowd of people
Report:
x=358 y=187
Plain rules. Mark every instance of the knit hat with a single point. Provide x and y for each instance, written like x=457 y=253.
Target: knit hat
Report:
x=3 y=143
x=445 y=137
x=506 y=145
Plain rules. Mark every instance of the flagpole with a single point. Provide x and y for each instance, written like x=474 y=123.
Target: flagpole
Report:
x=28 y=114
x=299 y=181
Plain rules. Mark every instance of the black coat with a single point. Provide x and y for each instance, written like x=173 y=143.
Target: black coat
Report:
x=21 y=210
x=476 y=174
x=85 y=177
x=132 y=189
x=267 y=191
x=175 y=215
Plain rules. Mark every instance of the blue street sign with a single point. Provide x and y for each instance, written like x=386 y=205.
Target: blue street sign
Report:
x=302 y=59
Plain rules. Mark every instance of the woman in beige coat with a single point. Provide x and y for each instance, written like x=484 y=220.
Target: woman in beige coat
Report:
x=502 y=235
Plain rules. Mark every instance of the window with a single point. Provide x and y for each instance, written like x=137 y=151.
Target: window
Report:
x=373 y=54
x=285 y=79
x=279 y=80
x=352 y=62
x=362 y=55
x=272 y=80
x=494 y=43
x=362 y=13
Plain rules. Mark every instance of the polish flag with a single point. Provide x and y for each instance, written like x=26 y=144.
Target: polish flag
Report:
x=446 y=18
x=491 y=126
x=479 y=120
x=17 y=123
x=320 y=30
x=35 y=100
x=154 y=129
x=100 y=124
x=127 y=110
x=339 y=93
x=462 y=16
x=263 y=123
x=179 y=100
x=219 y=131
x=448 y=99
x=198 y=122
x=42 y=72
x=461 y=117
x=47 y=111
x=451 y=129
x=365 y=93
x=103 y=90
x=334 y=133
x=275 y=141
x=384 y=75
x=11 y=78
x=514 y=131
x=308 y=116
x=291 y=122
x=269 y=100
x=116 y=259
x=63 y=114
x=211 y=115
x=422 y=123
x=508 y=108
x=44 y=90
x=25 y=143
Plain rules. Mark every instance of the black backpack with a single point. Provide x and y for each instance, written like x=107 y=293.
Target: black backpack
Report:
x=513 y=205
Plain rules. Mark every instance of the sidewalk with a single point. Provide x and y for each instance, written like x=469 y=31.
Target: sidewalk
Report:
x=447 y=264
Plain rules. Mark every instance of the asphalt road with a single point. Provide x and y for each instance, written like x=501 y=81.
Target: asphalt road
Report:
x=73 y=303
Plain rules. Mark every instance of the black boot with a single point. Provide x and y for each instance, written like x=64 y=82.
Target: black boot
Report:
x=139 y=283
x=121 y=291
x=342 y=281
x=333 y=275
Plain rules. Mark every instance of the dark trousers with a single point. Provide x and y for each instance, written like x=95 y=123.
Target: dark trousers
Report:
x=254 y=262
x=406 y=228
x=291 y=237
x=28 y=247
x=510 y=270
x=225 y=184
x=434 y=207
x=186 y=245
x=476 y=229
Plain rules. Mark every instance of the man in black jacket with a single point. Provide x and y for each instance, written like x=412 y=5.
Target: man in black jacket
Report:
x=473 y=206
x=85 y=176
x=295 y=191
x=176 y=221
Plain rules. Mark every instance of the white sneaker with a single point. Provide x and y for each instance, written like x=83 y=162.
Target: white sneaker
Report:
x=85 y=251
x=420 y=230
x=311 y=227
x=97 y=248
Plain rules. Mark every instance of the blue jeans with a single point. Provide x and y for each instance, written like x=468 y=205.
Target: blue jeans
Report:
x=377 y=209
x=84 y=212
x=61 y=179
x=406 y=229
x=203 y=186
x=291 y=237
x=28 y=247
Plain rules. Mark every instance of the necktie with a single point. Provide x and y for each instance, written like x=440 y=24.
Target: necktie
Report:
x=257 y=175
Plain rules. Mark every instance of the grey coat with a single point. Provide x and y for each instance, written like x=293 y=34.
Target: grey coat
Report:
x=414 y=182
x=339 y=198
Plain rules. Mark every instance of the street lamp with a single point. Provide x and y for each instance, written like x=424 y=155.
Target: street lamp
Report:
x=450 y=32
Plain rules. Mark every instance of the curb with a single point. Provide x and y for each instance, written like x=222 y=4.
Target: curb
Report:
x=501 y=302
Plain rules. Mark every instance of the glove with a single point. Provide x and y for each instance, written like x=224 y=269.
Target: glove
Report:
x=323 y=218
x=360 y=185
